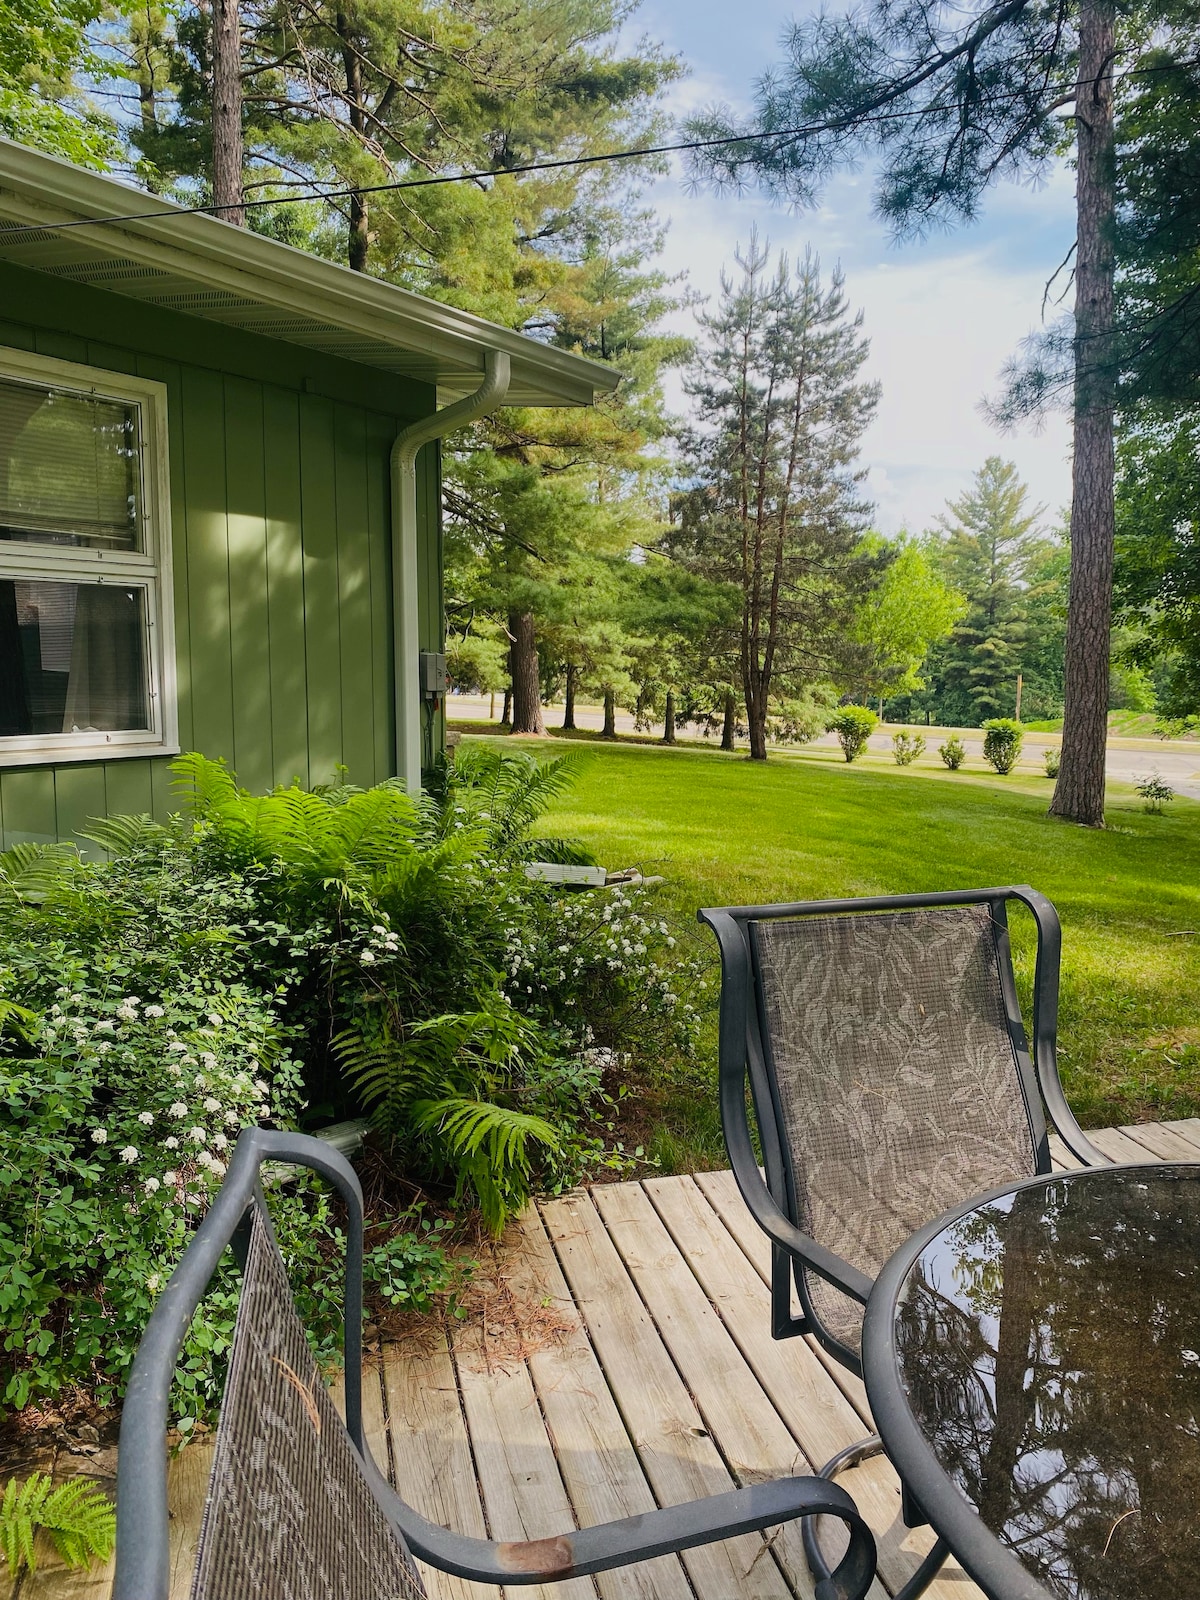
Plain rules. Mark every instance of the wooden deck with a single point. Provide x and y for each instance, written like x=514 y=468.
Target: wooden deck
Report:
x=620 y=1358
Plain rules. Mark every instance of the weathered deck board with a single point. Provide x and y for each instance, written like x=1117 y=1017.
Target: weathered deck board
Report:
x=601 y=1472
x=663 y=1424
x=432 y=1452
x=655 y=1381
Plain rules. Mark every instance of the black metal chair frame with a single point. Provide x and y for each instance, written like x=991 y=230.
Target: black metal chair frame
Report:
x=142 y=1562
x=772 y=1200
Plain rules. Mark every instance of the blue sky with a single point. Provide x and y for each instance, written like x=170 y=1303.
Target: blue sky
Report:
x=942 y=315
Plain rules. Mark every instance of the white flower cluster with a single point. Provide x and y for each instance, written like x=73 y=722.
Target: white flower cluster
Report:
x=611 y=938
x=382 y=945
x=211 y=1087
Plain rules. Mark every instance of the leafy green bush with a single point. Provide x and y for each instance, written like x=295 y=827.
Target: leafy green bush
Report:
x=953 y=752
x=853 y=725
x=1053 y=760
x=78 y=1517
x=287 y=959
x=1155 y=792
x=410 y=1267
x=1002 y=740
x=906 y=747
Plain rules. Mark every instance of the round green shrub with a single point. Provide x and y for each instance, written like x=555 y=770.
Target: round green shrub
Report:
x=853 y=725
x=1052 y=759
x=906 y=747
x=953 y=752
x=1002 y=740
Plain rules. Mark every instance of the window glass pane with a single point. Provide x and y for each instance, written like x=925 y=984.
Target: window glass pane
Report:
x=72 y=658
x=70 y=468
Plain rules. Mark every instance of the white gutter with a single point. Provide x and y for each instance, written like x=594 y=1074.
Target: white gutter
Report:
x=407 y=443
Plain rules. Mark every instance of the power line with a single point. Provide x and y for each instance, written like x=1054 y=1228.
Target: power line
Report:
x=434 y=180
x=451 y=177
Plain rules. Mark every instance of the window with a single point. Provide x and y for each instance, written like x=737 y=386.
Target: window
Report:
x=86 y=654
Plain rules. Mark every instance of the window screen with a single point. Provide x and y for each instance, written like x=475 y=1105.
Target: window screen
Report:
x=70 y=468
x=72 y=658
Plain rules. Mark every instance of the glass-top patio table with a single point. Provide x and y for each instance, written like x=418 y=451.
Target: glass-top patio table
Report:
x=1033 y=1364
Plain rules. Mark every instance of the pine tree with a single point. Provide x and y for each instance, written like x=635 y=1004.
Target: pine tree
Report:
x=544 y=498
x=776 y=508
x=989 y=539
x=950 y=99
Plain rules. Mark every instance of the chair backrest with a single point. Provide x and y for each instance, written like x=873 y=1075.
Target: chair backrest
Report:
x=290 y=1514
x=899 y=1083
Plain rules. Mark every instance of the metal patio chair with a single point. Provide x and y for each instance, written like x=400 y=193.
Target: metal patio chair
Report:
x=297 y=1508
x=890 y=1078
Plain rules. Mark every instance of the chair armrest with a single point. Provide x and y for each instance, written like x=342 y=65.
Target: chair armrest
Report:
x=762 y=1204
x=655 y=1533
x=1065 y=1125
x=779 y=1227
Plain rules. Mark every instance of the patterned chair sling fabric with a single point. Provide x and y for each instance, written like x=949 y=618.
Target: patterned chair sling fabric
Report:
x=896 y=1076
x=289 y=1514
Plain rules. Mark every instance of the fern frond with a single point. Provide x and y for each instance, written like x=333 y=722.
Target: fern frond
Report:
x=383 y=1073
x=77 y=1516
x=563 y=852
x=208 y=787
x=489 y=1144
x=35 y=873
x=11 y=1014
x=508 y=791
x=121 y=836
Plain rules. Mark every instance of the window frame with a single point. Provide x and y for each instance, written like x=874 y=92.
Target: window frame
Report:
x=148 y=569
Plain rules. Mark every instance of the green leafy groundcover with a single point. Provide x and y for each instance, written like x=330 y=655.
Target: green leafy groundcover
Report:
x=286 y=960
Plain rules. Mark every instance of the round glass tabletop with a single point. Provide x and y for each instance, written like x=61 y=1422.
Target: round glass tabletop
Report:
x=1046 y=1344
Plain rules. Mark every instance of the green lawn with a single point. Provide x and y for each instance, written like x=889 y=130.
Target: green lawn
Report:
x=723 y=831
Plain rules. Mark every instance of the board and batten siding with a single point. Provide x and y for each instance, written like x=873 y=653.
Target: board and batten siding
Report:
x=281 y=544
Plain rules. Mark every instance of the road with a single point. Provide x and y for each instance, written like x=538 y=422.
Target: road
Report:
x=1176 y=760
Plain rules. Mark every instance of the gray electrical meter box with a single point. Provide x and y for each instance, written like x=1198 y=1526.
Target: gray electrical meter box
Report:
x=433 y=675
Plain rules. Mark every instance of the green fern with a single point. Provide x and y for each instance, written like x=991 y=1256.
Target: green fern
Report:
x=382 y=1072
x=14 y=1016
x=122 y=836
x=433 y=1082
x=341 y=836
x=77 y=1516
x=489 y=1144
x=35 y=873
x=504 y=793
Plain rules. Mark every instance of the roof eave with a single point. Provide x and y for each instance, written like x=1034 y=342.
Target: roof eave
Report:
x=41 y=190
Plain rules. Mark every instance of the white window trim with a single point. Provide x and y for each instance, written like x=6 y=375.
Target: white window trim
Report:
x=150 y=569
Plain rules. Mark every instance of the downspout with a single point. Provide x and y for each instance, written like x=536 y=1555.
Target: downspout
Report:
x=407 y=443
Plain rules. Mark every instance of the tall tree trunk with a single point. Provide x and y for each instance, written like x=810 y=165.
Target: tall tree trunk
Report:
x=145 y=45
x=227 y=152
x=609 y=731
x=1079 y=792
x=359 y=243
x=568 y=720
x=526 y=688
x=756 y=719
x=669 y=719
x=506 y=713
x=729 y=726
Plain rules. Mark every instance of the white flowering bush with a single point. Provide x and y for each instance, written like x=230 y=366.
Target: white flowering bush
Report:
x=136 y=1043
x=603 y=966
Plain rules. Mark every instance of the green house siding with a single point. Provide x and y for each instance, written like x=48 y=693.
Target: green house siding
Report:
x=281 y=546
